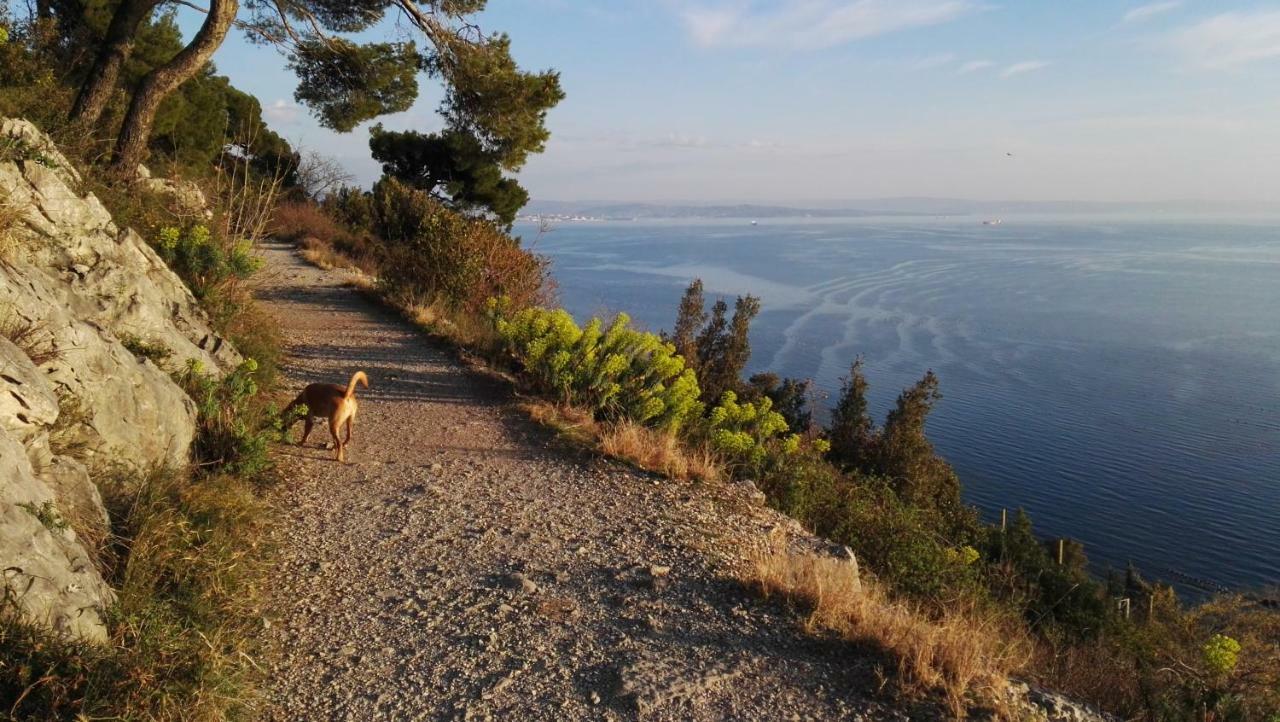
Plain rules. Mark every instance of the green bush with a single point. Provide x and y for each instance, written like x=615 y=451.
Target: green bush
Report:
x=351 y=207
x=203 y=262
x=233 y=433
x=616 y=372
x=434 y=253
x=744 y=433
x=900 y=543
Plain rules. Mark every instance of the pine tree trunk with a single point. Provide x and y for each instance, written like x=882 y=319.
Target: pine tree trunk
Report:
x=115 y=49
x=131 y=144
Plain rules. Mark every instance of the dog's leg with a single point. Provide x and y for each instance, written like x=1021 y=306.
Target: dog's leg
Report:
x=337 y=440
x=349 y=420
x=306 y=431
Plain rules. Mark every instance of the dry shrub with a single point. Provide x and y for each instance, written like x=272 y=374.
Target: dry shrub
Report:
x=658 y=451
x=1162 y=669
x=296 y=221
x=32 y=337
x=963 y=653
x=1095 y=671
x=645 y=448
x=324 y=241
x=434 y=251
x=10 y=217
x=246 y=199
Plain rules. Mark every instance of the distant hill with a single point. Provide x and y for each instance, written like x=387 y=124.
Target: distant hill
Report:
x=906 y=206
x=628 y=211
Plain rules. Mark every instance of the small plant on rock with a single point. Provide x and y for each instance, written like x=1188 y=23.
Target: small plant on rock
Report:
x=157 y=353
x=47 y=514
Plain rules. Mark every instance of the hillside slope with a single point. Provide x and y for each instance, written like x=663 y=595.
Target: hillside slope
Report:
x=465 y=565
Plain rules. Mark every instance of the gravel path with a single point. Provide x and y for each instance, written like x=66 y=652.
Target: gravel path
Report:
x=466 y=565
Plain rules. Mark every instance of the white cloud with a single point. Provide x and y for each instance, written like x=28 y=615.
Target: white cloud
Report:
x=1025 y=66
x=934 y=61
x=281 y=111
x=1143 y=13
x=814 y=23
x=1230 y=39
x=974 y=66
x=677 y=140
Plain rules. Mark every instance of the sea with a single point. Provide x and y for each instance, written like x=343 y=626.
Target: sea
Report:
x=1116 y=377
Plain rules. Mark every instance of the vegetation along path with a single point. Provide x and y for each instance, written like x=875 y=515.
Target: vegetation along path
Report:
x=465 y=565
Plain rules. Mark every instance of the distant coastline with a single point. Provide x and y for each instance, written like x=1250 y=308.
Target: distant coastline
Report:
x=588 y=211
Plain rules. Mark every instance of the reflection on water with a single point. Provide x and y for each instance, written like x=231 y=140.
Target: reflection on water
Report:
x=1120 y=380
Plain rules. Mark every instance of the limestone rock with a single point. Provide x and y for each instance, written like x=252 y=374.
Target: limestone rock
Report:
x=28 y=403
x=73 y=256
x=186 y=196
x=47 y=570
x=78 y=285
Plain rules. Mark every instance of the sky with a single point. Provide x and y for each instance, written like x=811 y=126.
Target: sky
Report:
x=828 y=100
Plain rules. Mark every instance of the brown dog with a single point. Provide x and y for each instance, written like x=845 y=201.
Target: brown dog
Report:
x=329 y=401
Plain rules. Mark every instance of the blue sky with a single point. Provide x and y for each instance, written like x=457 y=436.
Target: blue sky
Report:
x=823 y=100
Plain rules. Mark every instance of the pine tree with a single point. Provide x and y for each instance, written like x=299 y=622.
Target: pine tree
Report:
x=737 y=351
x=904 y=454
x=689 y=319
x=724 y=347
x=791 y=398
x=345 y=81
x=852 y=433
x=710 y=347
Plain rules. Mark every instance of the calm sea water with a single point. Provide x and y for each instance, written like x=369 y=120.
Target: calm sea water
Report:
x=1118 y=379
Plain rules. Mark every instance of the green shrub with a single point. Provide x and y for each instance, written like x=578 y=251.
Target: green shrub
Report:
x=744 y=433
x=434 y=253
x=350 y=206
x=158 y=353
x=234 y=432
x=899 y=542
x=204 y=262
x=616 y=372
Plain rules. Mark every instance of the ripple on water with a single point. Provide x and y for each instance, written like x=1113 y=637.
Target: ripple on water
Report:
x=1119 y=380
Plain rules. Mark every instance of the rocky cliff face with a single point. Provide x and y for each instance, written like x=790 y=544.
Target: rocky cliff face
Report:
x=74 y=400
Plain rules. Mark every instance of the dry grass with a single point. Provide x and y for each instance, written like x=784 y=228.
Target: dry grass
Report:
x=324 y=242
x=649 y=449
x=323 y=256
x=10 y=217
x=963 y=654
x=32 y=337
x=186 y=561
x=658 y=451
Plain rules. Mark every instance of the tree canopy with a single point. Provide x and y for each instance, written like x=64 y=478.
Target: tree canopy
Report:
x=453 y=166
x=350 y=66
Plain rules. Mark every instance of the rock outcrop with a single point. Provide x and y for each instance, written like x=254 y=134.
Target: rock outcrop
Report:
x=73 y=398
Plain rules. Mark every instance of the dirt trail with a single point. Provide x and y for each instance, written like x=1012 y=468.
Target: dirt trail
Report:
x=465 y=565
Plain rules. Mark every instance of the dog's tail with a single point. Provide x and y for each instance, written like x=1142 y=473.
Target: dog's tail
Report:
x=351 y=385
